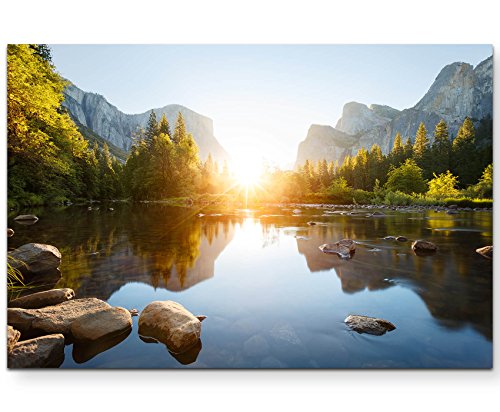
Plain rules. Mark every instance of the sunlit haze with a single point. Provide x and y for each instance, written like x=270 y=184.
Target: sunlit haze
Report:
x=262 y=99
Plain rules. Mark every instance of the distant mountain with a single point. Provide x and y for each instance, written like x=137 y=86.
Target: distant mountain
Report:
x=458 y=91
x=97 y=115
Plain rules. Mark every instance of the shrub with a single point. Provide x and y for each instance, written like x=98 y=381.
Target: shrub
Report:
x=443 y=185
x=406 y=178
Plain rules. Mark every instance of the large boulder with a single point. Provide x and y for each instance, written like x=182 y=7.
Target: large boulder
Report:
x=44 y=352
x=366 y=324
x=106 y=323
x=35 y=259
x=42 y=299
x=53 y=319
x=12 y=338
x=170 y=323
x=486 y=251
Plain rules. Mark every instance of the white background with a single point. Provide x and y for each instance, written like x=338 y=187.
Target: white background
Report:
x=221 y=21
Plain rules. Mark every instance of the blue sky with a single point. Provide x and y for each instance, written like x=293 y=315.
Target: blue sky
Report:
x=262 y=98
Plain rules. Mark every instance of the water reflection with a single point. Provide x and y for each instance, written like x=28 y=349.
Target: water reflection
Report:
x=272 y=298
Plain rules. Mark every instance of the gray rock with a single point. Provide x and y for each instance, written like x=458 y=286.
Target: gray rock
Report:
x=486 y=251
x=35 y=259
x=170 y=323
x=53 y=319
x=43 y=352
x=423 y=247
x=401 y=239
x=344 y=248
x=12 y=338
x=365 y=324
x=42 y=299
x=103 y=324
x=21 y=218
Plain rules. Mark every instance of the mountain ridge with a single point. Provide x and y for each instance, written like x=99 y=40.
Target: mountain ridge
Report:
x=97 y=114
x=459 y=90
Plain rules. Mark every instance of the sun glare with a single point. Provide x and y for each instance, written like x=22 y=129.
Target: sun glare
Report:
x=248 y=172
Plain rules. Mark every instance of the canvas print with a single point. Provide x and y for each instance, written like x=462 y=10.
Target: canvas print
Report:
x=249 y=206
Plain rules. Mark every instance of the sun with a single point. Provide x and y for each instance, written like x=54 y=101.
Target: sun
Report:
x=247 y=173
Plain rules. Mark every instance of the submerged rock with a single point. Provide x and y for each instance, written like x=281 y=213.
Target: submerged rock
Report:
x=401 y=239
x=103 y=324
x=366 y=324
x=423 y=247
x=44 y=352
x=26 y=218
x=42 y=299
x=83 y=351
x=53 y=319
x=344 y=248
x=390 y=238
x=296 y=211
x=12 y=338
x=35 y=259
x=170 y=323
x=486 y=251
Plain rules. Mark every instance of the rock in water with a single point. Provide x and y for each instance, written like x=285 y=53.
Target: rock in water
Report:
x=44 y=352
x=42 y=299
x=10 y=232
x=365 y=324
x=401 y=239
x=486 y=251
x=103 y=324
x=53 y=319
x=26 y=218
x=35 y=259
x=12 y=338
x=344 y=248
x=170 y=323
x=423 y=247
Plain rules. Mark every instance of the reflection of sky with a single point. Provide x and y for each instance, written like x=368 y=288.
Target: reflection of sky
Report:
x=265 y=307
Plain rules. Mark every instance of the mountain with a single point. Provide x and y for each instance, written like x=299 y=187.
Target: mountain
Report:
x=94 y=114
x=458 y=91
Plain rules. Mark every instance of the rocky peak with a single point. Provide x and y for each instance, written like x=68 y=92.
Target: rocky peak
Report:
x=357 y=118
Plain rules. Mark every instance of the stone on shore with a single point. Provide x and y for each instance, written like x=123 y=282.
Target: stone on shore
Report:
x=41 y=299
x=106 y=323
x=43 y=352
x=486 y=251
x=366 y=324
x=53 y=319
x=170 y=323
x=35 y=259
x=12 y=338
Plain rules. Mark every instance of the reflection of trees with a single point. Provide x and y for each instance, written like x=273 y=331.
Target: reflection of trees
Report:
x=103 y=250
x=455 y=284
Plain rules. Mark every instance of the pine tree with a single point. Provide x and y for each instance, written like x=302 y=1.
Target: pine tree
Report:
x=164 y=126
x=397 y=153
x=441 y=147
x=180 y=129
x=151 y=128
x=408 y=149
x=465 y=160
x=421 y=144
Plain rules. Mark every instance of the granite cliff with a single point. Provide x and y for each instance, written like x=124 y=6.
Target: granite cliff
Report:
x=458 y=91
x=94 y=112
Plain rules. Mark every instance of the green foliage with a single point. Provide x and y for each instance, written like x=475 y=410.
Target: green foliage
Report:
x=444 y=185
x=483 y=188
x=441 y=149
x=466 y=161
x=406 y=178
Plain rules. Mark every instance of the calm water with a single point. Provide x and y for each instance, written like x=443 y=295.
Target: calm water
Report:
x=271 y=297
